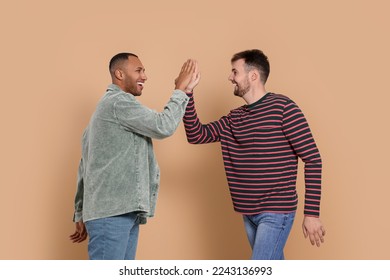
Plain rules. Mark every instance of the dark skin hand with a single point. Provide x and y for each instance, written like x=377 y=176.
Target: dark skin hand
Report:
x=80 y=234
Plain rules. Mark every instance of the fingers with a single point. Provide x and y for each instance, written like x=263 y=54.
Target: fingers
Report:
x=196 y=70
x=197 y=79
x=75 y=237
x=317 y=238
x=78 y=237
x=305 y=234
x=322 y=234
x=80 y=234
x=189 y=66
x=314 y=239
x=82 y=237
x=186 y=75
x=185 y=65
x=313 y=228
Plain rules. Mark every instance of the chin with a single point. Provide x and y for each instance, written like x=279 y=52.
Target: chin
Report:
x=137 y=93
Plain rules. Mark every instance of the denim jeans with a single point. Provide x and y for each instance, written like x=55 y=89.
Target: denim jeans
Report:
x=267 y=234
x=113 y=238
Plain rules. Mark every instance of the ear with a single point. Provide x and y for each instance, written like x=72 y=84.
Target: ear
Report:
x=254 y=75
x=118 y=74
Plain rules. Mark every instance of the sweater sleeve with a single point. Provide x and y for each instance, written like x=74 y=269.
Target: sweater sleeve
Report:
x=298 y=133
x=198 y=133
x=132 y=115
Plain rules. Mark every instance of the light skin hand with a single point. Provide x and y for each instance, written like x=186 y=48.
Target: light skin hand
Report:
x=80 y=234
x=185 y=75
x=312 y=228
x=194 y=80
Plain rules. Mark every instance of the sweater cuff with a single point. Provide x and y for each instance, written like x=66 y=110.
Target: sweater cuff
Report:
x=78 y=216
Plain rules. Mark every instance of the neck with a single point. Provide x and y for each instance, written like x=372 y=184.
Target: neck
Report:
x=253 y=95
x=119 y=84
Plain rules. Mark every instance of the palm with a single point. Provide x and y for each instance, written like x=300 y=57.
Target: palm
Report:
x=194 y=82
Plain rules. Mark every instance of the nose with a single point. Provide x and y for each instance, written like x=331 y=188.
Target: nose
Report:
x=230 y=77
x=144 y=76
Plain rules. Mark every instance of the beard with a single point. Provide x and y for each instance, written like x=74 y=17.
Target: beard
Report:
x=241 y=90
x=133 y=88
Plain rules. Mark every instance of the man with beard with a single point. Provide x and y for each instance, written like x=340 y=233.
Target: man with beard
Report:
x=118 y=177
x=261 y=142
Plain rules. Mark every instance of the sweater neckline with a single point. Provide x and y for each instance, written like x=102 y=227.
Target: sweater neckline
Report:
x=258 y=101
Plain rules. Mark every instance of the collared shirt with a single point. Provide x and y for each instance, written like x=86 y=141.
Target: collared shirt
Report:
x=118 y=171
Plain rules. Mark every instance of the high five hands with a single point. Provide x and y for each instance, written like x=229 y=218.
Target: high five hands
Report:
x=189 y=76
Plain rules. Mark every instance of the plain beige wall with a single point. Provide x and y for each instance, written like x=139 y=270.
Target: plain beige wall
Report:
x=331 y=57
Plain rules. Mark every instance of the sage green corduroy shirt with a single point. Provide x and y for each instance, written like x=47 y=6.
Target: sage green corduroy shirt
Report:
x=118 y=171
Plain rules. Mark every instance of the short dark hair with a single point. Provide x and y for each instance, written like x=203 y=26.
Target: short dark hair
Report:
x=120 y=57
x=255 y=59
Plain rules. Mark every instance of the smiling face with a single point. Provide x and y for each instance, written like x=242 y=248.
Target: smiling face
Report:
x=130 y=76
x=240 y=78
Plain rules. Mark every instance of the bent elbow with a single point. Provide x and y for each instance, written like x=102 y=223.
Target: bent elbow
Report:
x=192 y=140
x=165 y=134
x=168 y=131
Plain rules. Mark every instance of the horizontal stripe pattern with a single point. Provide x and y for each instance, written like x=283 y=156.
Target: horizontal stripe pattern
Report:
x=260 y=145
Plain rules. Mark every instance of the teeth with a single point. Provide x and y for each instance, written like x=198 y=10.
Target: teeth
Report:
x=139 y=83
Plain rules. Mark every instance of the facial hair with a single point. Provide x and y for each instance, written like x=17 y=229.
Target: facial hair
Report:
x=132 y=88
x=241 y=90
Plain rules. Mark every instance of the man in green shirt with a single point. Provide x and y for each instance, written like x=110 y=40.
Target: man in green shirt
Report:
x=118 y=177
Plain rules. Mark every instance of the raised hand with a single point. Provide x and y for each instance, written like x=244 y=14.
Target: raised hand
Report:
x=194 y=80
x=186 y=74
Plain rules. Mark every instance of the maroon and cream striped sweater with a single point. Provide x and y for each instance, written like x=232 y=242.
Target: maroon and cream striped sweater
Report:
x=261 y=143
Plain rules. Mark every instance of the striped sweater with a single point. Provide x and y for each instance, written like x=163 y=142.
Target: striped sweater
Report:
x=261 y=143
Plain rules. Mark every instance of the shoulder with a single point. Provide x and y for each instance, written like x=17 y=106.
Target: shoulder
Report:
x=285 y=101
x=238 y=110
x=120 y=98
x=278 y=97
x=114 y=93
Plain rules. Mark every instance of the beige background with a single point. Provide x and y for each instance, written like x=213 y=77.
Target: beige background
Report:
x=331 y=57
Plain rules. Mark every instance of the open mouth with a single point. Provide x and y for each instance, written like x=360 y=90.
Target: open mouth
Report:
x=141 y=84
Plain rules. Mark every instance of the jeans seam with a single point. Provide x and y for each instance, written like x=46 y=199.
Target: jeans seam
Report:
x=104 y=238
x=278 y=240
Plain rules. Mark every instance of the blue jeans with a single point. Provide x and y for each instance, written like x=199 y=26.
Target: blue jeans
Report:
x=267 y=234
x=113 y=238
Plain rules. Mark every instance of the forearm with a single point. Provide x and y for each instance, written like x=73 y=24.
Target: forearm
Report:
x=79 y=197
x=147 y=122
x=196 y=132
x=310 y=155
x=164 y=124
x=312 y=189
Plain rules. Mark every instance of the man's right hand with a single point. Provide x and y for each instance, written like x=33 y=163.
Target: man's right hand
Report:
x=80 y=234
x=187 y=75
x=194 y=80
